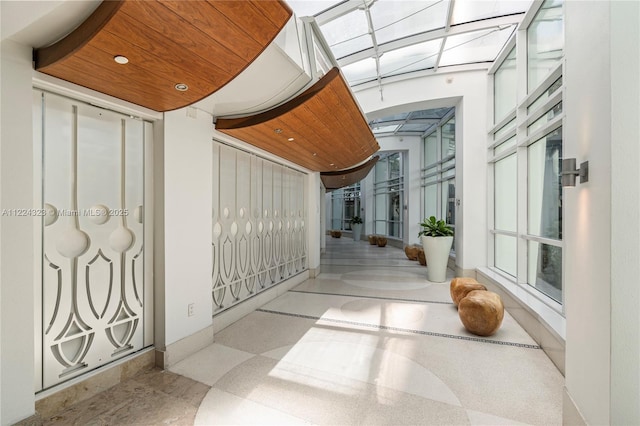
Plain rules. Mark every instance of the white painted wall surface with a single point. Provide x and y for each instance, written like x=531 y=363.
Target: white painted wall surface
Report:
x=187 y=222
x=17 y=245
x=588 y=215
x=625 y=211
x=467 y=91
x=314 y=226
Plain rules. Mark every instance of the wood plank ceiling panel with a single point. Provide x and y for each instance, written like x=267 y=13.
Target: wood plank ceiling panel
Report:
x=203 y=44
x=322 y=129
x=337 y=180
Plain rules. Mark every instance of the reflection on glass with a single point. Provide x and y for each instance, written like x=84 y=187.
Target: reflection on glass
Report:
x=504 y=87
x=388 y=195
x=476 y=46
x=430 y=149
x=545 y=269
x=430 y=200
x=504 y=129
x=348 y=33
x=505 y=190
x=509 y=143
x=449 y=201
x=539 y=123
x=449 y=138
x=545 y=189
x=543 y=98
x=392 y=22
x=545 y=42
x=506 y=248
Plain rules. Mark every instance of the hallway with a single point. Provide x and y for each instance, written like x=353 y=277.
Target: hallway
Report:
x=369 y=341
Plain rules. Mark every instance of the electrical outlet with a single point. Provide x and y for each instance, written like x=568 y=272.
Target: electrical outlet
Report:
x=190 y=309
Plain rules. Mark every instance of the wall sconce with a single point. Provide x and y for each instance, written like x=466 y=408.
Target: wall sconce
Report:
x=569 y=172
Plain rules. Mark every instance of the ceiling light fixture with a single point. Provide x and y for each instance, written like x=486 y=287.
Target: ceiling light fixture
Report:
x=121 y=59
x=181 y=87
x=291 y=139
x=278 y=130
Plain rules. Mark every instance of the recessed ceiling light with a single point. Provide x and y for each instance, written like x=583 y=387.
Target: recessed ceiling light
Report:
x=181 y=87
x=314 y=154
x=291 y=139
x=278 y=131
x=331 y=164
x=121 y=59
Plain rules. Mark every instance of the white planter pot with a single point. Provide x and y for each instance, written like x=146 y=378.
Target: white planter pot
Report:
x=436 y=251
x=356 y=230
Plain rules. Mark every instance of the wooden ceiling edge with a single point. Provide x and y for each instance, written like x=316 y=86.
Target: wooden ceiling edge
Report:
x=349 y=177
x=253 y=120
x=77 y=38
x=353 y=169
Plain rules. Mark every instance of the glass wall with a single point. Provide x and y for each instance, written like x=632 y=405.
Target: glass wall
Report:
x=388 y=193
x=439 y=171
x=345 y=204
x=525 y=151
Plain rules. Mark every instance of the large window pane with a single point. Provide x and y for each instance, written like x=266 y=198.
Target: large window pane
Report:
x=430 y=149
x=544 y=187
x=431 y=200
x=506 y=248
x=504 y=99
x=545 y=269
x=545 y=42
x=506 y=191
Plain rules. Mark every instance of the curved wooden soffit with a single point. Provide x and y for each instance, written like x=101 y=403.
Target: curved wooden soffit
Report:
x=203 y=44
x=337 y=180
x=322 y=129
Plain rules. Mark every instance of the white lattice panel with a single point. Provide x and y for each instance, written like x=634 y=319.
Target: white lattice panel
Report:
x=259 y=225
x=92 y=289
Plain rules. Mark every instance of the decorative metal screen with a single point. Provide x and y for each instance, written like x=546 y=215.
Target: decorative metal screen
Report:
x=93 y=258
x=259 y=225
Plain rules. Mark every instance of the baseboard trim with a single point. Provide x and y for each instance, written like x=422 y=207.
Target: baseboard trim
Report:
x=570 y=413
x=177 y=351
x=56 y=399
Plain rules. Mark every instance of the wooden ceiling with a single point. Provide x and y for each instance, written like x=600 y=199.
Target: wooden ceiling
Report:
x=203 y=44
x=322 y=129
x=337 y=180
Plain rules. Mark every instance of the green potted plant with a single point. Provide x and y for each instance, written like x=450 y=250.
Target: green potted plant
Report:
x=437 y=239
x=356 y=227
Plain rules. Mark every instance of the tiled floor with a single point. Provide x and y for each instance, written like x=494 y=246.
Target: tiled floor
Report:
x=369 y=341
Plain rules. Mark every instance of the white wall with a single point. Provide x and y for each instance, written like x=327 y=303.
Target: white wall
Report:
x=587 y=233
x=17 y=245
x=625 y=211
x=187 y=222
x=466 y=90
x=314 y=226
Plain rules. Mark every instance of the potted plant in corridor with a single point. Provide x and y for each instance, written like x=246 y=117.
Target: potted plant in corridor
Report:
x=437 y=239
x=356 y=227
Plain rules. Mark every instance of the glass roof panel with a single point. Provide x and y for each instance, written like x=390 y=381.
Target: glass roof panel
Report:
x=415 y=127
x=360 y=72
x=310 y=7
x=392 y=20
x=474 y=10
x=385 y=129
x=410 y=58
x=476 y=46
x=347 y=34
x=435 y=113
x=395 y=117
